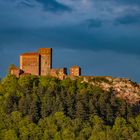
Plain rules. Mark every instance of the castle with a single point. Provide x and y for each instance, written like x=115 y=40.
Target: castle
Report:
x=40 y=64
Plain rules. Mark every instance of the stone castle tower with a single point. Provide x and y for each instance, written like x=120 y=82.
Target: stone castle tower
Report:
x=45 y=55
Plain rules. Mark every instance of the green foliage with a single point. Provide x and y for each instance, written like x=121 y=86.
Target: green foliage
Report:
x=10 y=67
x=10 y=135
x=44 y=108
x=9 y=85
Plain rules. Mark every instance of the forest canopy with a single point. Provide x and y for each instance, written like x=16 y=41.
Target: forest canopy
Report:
x=44 y=108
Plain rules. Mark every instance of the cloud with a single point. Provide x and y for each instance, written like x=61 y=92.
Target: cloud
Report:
x=44 y=13
x=93 y=23
x=128 y=19
x=133 y=2
x=119 y=39
x=53 y=5
x=25 y=3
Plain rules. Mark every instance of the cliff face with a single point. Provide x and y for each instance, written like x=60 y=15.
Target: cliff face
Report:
x=122 y=87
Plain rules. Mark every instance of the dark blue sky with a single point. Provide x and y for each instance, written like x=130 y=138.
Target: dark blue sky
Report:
x=102 y=36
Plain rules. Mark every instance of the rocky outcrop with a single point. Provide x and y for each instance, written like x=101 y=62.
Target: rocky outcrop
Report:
x=122 y=87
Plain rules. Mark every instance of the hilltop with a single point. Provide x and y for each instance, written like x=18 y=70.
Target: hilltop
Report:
x=40 y=64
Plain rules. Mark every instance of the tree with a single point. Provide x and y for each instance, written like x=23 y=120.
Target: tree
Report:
x=10 y=67
x=67 y=134
x=121 y=129
x=35 y=109
x=10 y=135
x=26 y=82
x=11 y=103
x=80 y=112
x=85 y=133
x=9 y=84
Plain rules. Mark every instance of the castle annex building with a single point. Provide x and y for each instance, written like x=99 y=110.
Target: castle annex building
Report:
x=40 y=64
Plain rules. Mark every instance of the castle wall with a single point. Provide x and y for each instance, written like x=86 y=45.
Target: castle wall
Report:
x=59 y=73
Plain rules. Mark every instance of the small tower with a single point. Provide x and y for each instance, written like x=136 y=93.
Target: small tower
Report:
x=15 y=71
x=75 y=71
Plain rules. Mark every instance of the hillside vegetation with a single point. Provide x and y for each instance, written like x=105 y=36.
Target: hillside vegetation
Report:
x=44 y=108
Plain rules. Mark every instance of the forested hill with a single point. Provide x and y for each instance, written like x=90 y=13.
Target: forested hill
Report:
x=43 y=108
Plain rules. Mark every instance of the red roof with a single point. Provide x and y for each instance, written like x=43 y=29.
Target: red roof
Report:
x=29 y=53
